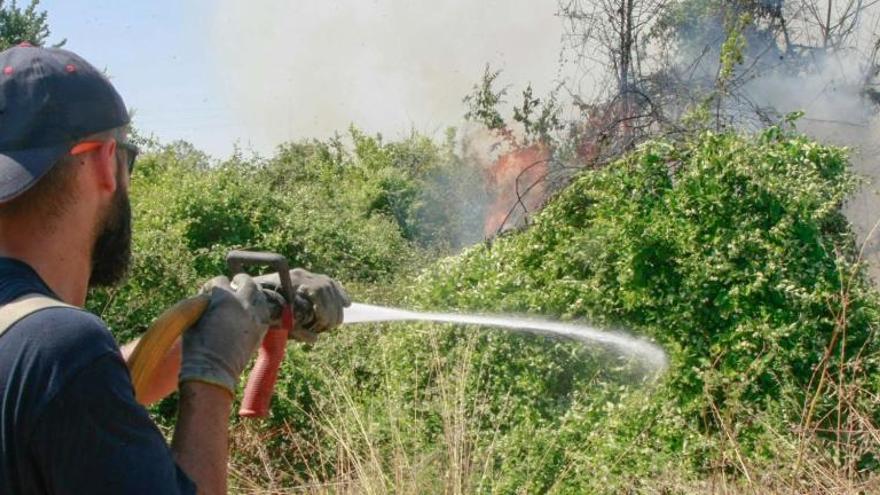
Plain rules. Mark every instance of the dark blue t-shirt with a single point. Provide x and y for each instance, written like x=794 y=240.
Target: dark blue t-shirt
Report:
x=70 y=422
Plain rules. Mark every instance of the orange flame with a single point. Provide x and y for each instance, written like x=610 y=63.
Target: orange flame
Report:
x=515 y=182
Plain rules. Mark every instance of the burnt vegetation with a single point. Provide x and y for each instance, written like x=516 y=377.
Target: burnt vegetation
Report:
x=635 y=70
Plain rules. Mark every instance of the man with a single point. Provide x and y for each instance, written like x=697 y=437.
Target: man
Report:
x=69 y=422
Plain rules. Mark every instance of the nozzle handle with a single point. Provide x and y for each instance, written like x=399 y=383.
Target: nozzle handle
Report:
x=261 y=382
x=237 y=260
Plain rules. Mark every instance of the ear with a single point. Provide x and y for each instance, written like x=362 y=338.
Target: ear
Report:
x=105 y=167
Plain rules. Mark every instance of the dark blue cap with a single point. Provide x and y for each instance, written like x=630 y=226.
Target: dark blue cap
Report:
x=49 y=99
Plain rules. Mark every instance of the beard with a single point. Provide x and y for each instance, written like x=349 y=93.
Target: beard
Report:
x=111 y=255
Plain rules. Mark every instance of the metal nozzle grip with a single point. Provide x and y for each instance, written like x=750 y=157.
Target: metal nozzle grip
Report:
x=237 y=260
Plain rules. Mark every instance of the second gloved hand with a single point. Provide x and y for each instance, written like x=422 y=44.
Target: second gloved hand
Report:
x=327 y=296
x=218 y=347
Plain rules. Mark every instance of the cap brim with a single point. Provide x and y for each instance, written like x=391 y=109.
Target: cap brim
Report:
x=21 y=169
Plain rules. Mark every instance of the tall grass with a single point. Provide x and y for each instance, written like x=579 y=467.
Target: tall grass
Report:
x=423 y=444
x=379 y=448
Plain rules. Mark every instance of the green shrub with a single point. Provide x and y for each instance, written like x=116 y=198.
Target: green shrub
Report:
x=731 y=252
x=434 y=197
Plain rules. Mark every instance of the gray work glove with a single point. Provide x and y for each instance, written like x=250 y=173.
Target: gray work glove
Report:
x=327 y=296
x=218 y=347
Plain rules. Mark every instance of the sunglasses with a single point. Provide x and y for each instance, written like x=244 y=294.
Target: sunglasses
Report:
x=128 y=152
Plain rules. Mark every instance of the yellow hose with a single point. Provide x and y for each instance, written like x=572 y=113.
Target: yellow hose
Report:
x=159 y=338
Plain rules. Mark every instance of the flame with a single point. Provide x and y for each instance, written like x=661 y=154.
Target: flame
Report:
x=515 y=182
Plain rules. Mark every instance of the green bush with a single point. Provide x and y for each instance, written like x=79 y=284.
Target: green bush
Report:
x=434 y=197
x=729 y=251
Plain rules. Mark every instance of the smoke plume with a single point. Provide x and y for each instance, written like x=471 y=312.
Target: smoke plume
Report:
x=311 y=68
x=836 y=110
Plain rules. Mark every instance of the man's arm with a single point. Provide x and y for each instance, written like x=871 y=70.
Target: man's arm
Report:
x=202 y=435
x=164 y=379
x=214 y=353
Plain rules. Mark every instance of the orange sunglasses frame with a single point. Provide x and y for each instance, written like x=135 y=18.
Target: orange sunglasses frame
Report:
x=86 y=146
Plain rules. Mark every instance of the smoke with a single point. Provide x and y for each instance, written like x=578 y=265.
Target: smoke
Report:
x=836 y=111
x=831 y=95
x=831 y=86
x=294 y=70
x=305 y=69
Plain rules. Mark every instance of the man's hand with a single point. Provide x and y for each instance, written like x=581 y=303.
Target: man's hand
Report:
x=327 y=296
x=219 y=346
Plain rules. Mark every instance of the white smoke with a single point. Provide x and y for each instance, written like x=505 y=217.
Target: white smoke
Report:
x=836 y=111
x=312 y=67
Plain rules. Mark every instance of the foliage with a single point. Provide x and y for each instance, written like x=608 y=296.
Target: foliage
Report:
x=732 y=51
x=731 y=252
x=19 y=24
x=435 y=199
x=539 y=118
x=483 y=101
x=730 y=55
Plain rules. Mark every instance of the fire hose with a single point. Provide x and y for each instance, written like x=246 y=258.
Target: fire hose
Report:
x=170 y=325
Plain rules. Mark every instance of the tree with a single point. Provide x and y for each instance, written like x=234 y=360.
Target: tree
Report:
x=727 y=52
x=23 y=24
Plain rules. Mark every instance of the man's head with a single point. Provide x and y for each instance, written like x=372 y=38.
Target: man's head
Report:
x=63 y=154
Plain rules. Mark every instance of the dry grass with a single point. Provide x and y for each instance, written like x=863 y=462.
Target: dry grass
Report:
x=401 y=464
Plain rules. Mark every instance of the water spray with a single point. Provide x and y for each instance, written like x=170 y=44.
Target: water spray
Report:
x=647 y=353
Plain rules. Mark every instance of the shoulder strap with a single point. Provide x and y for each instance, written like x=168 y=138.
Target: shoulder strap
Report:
x=11 y=313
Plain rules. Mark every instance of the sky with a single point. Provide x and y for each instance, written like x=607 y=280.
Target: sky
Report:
x=225 y=73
